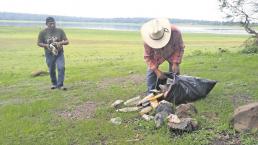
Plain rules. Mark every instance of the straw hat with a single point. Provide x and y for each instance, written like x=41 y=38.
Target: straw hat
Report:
x=156 y=32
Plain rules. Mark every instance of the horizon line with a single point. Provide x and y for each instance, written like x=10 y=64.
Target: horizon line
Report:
x=110 y=17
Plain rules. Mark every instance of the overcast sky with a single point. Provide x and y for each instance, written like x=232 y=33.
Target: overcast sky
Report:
x=183 y=9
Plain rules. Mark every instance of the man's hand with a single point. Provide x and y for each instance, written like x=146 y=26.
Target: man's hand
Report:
x=175 y=68
x=57 y=44
x=53 y=49
x=43 y=45
x=160 y=74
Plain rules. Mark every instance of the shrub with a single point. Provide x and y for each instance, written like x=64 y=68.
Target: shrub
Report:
x=250 y=46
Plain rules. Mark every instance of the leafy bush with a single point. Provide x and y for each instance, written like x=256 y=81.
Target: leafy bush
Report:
x=250 y=46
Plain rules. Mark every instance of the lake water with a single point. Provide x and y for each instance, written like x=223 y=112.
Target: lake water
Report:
x=130 y=26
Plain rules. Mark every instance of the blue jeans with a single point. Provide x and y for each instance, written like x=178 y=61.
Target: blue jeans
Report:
x=152 y=79
x=53 y=61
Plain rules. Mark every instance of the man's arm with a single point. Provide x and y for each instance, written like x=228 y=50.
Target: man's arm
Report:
x=64 y=39
x=40 y=42
x=63 y=42
x=178 y=54
x=149 y=58
x=151 y=62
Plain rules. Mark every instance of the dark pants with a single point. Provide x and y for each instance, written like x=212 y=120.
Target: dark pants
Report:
x=151 y=78
x=53 y=61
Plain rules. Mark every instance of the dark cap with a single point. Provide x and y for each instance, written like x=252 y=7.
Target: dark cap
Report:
x=50 y=19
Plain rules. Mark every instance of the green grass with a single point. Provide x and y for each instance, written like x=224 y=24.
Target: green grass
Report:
x=28 y=108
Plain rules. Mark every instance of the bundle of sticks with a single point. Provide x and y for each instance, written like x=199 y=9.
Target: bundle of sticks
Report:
x=143 y=105
x=150 y=102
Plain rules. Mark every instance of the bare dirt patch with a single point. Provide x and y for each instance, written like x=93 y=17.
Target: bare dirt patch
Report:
x=224 y=138
x=83 y=111
x=134 y=79
x=213 y=116
x=241 y=99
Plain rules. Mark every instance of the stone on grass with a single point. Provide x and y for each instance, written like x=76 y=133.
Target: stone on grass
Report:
x=186 y=110
x=133 y=101
x=128 y=109
x=38 y=73
x=246 y=118
x=147 y=117
x=117 y=104
x=162 y=111
x=185 y=125
x=116 y=121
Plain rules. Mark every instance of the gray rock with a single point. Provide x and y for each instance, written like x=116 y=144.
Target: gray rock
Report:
x=147 y=117
x=128 y=109
x=133 y=101
x=39 y=73
x=185 y=125
x=161 y=112
x=246 y=117
x=160 y=118
x=116 y=121
x=117 y=104
x=186 y=110
x=165 y=106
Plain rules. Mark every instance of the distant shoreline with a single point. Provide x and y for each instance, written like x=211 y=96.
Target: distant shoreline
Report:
x=40 y=17
x=185 y=28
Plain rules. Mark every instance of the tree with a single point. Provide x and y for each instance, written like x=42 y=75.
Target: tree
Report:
x=243 y=11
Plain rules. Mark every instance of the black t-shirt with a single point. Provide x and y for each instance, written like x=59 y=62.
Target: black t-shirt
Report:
x=48 y=36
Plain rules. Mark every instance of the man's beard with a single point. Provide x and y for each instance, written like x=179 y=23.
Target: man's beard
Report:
x=52 y=28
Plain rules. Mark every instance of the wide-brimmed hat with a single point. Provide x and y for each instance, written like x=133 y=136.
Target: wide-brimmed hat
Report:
x=156 y=32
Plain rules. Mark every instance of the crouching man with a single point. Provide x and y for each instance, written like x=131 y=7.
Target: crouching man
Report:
x=162 y=41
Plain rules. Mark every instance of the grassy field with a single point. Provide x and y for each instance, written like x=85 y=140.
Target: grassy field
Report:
x=102 y=66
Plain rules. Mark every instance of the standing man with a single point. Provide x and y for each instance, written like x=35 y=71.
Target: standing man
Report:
x=52 y=40
x=162 y=41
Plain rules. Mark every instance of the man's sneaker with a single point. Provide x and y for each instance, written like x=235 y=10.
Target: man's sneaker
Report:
x=53 y=87
x=62 y=88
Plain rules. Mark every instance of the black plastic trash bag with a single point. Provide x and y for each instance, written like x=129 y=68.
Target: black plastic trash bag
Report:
x=184 y=89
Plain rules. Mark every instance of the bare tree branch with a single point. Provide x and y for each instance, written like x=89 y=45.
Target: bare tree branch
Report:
x=244 y=11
